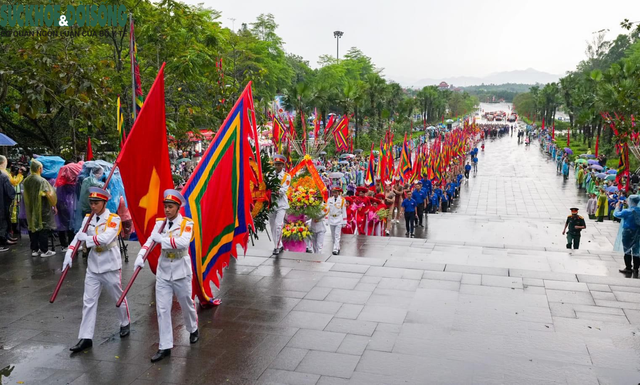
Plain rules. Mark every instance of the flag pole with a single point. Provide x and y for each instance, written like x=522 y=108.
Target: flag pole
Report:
x=137 y=271
x=77 y=245
x=133 y=75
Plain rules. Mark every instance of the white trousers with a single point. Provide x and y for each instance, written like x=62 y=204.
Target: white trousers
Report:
x=336 y=233
x=164 y=299
x=93 y=284
x=317 y=241
x=276 y=220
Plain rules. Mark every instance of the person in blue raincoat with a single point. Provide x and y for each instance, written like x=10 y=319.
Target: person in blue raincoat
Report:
x=565 y=169
x=630 y=231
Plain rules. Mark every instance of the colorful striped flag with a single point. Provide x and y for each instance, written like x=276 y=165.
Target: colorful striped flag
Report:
x=222 y=215
x=119 y=123
x=136 y=71
x=369 y=179
x=341 y=134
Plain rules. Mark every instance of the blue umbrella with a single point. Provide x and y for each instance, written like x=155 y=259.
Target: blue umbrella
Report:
x=6 y=141
x=591 y=156
x=596 y=167
x=612 y=189
x=583 y=155
x=614 y=172
x=601 y=175
x=592 y=161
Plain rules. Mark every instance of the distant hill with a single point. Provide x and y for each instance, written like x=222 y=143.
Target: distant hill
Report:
x=528 y=76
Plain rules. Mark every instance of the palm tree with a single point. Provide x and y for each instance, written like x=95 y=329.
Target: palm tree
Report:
x=352 y=98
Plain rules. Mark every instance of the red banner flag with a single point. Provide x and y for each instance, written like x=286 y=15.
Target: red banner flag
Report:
x=568 y=135
x=553 y=131
x=144 y=165
x=89 y=149
x=597 y=142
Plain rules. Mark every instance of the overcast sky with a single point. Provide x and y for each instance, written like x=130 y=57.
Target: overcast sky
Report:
x=432 y=39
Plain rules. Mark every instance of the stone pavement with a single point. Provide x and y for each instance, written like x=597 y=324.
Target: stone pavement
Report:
x=456 y=310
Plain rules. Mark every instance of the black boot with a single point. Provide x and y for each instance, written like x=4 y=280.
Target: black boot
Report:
x=636 y=266
x=82 y=345
x=194 y=337
x=160 y=355
x=125 y=330
x=627 y=263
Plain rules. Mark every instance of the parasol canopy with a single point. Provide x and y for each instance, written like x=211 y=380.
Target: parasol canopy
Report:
x=6 y=141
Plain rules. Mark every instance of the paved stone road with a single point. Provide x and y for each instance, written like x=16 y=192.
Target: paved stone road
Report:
x=386 y=311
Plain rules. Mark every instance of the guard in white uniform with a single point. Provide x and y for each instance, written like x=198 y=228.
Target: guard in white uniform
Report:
x=174 y=272
x=337 y=217
x=318 y=230
x=104 y=265
x=276 y=217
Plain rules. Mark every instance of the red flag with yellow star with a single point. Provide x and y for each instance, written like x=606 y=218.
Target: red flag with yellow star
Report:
x=144 y=165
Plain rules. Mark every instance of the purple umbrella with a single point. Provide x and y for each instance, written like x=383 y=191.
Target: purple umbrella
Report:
x=591 y=156
x=601 y=175
x=614 y=172
x=592 y=161
x=568 y=150
x=596 y=167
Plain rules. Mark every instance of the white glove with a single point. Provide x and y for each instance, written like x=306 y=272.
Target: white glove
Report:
x=156 y=237
x=82 y=236
x=139 y=262
x=67 y=260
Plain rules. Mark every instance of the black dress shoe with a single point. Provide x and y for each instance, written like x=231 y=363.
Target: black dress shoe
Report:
x=82 y=345
x=335 y=253
x=160 y=355
x=194 y=337
x=626 y=270
x=125 y=330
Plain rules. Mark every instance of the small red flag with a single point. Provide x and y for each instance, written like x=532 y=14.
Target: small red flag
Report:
x=89 y=149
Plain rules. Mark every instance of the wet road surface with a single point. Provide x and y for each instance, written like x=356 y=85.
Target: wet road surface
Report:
x=470 y=308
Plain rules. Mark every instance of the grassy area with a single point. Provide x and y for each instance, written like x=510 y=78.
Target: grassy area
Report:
x=579 y=148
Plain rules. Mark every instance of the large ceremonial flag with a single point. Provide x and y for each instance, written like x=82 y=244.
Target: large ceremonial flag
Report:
x=218 y=196
x=135 y=70
x=405 y=168
x=144 y=165
x=369 y=179
x=279 y=131
x=341 y=134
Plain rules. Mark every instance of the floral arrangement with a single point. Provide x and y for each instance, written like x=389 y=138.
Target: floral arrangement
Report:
x=305 y=200
x=295 y=231
x=383 y=214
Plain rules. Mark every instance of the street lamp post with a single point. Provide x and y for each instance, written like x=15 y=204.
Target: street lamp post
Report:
x=338 y=35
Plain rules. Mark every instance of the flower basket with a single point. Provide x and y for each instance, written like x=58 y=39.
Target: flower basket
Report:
x=293 y=245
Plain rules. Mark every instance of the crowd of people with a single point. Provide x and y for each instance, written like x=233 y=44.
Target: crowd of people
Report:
x=609 y=198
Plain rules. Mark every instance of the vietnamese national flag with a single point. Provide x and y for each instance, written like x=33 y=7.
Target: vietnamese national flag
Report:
x=89 y=149
x=144 y=165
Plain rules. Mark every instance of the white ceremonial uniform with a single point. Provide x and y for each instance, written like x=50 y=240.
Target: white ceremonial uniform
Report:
x=337 y=217
x=318 y=230
x=104 y=265
x=276 y=217
x=173 y=276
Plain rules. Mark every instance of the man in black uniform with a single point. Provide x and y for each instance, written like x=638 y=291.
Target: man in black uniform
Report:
x=576 y=224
